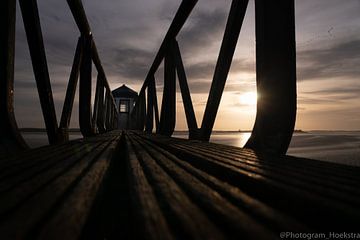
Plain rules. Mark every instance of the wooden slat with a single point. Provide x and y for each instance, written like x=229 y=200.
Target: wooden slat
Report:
x=225 y=215
x=151 y=220
x=28 y=185
x=265 y=214
x=295 y=175
x=308 y=203
x=39 y=161
x=185 y=218
x=65 y=191
x=155 y=187
x=64 y=220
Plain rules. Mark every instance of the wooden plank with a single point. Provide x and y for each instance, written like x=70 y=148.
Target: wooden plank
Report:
x=225 y=215
x=164 y=188
x=286 y=165
x=19 y=194
x=265 y=214
x=333 y=190
x=310 y=206
x=24 y=170
x=64 y=223
x=27 y=219
x=23 y=157
x=148 y=214
x=339 y=172
x=184 y=217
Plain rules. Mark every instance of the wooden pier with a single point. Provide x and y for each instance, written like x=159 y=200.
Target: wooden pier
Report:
x=139 y=183
x=132 y=185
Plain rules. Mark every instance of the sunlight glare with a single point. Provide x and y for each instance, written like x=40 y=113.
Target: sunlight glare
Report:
x=248 y=98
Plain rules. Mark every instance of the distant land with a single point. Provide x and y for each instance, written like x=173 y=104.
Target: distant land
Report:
x=186 y=131
x=235 y=131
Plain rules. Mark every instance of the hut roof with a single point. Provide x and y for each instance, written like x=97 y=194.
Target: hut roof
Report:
x=124 y=92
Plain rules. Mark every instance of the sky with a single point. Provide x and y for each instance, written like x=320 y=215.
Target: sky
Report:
x=128 y=35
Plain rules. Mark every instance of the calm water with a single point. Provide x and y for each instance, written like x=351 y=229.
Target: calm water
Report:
x=334 y=146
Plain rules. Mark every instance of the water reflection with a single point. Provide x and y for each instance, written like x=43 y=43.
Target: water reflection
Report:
x=237 y=139
x=332 y=146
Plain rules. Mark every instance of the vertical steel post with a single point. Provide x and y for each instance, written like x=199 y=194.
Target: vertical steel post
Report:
x=134 y=115
x=85 y=116
x=275 y=76
x=232 y=31
x=97 y=103
x=150 y=108
x=141 y=112
x=156 y=108
x=105 y=109
x=10 y=137
x=31 y=20
x=168 y=106
x=101 y=107
x=110 y=116
x=70 y=92
x=185 y=93
x=108 y=109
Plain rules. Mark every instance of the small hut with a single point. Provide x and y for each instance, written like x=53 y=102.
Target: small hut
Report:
x=125 y=99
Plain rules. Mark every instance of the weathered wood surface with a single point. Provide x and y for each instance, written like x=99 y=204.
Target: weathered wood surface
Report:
x=47 y=193
x=143 y=186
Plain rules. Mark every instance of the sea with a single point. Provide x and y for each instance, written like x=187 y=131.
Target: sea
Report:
x=333 y=146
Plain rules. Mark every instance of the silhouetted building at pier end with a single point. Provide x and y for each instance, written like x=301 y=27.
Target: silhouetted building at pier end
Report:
x=125 y=99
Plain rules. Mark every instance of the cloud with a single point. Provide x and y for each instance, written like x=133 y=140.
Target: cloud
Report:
x=341 y=60
x=203 y=31
x=130 y=63
x=128 y=35
x=340 y=92
x=330 y=96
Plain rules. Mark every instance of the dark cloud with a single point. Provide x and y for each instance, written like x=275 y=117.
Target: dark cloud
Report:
x=338 y=98
x=130 y=63
x=206 y=69
x=351 y=92
x=330 y=95
x=341 y=60
x=203 y=30
x=129 y=33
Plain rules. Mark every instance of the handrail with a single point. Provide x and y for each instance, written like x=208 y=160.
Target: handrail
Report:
x=180 y=18
x=10 y=137
x=276 y=77
x=92 y=119
x=275 y=70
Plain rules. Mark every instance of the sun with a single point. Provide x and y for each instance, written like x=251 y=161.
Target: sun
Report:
x=248 y=98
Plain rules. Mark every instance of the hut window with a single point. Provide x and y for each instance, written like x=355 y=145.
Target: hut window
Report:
x=124 y=106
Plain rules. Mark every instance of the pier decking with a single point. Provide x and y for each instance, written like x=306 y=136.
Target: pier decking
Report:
x=135 y=185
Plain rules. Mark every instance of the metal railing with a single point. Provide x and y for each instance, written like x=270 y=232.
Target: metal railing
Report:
x=100 y=117
x=275 y=69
